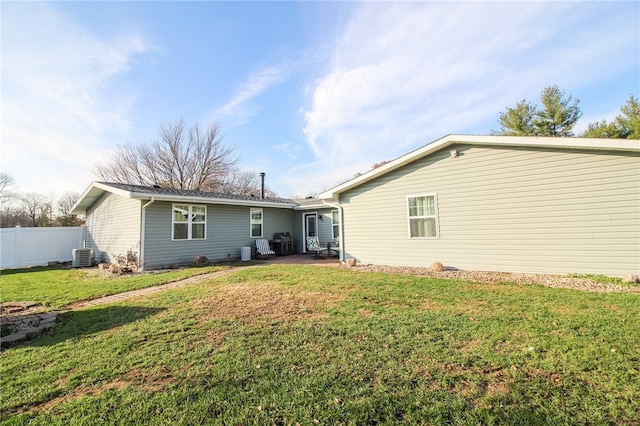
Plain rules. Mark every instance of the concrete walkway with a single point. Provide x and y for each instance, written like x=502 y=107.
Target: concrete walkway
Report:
x=148 y=290
x=280 y=260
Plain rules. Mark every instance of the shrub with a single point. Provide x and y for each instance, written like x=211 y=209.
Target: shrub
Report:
x=125 y=264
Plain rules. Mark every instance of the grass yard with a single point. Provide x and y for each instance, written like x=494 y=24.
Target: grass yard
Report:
x=310 y=345
x=61 y=285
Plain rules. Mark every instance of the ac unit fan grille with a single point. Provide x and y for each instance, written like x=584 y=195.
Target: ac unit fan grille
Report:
x=82 y=258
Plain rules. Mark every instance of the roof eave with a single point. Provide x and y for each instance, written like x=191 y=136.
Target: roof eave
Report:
x=206 y=200
x=625 y=145
x=310 y=207
x=92 y=193
x=96 y=189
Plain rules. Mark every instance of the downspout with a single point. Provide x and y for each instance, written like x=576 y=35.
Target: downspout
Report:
x=143 y=233
x=340 y=226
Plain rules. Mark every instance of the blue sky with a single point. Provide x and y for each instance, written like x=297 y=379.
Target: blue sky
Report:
x=309 y=92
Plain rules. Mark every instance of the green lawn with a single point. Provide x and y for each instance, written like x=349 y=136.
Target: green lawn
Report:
x=310 y=345
x=61 y=285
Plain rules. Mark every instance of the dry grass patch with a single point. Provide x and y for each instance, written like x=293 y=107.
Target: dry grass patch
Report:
x=79 y=392
x=266 y=300
x=364 y=313
x=430 y=305
x=476 y=307
x=498 y=384
x=149 y=381
x=564 y=311
x=470 y=345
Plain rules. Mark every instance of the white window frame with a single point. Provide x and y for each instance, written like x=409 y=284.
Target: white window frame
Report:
x=252 y=222
x=434 y=216
x=189 y=222
x=335 y=225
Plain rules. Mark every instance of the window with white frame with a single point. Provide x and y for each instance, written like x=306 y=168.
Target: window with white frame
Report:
x=422 y=212
x=335 y=224
x=189 y=222
x=256 y=223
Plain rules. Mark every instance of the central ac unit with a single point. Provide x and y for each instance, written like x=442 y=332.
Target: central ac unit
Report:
x=82 y=258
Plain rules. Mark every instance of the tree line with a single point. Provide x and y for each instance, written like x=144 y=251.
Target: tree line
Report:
x=195 y=158
x=180 y=157
x=31 y=209
x=557 y=116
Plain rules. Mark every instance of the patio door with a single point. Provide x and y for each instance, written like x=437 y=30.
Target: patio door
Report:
x=310 y=227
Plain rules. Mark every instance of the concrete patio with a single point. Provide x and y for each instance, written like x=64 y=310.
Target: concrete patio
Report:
x=304 y=259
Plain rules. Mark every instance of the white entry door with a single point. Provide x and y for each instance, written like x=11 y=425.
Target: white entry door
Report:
x=310 y=227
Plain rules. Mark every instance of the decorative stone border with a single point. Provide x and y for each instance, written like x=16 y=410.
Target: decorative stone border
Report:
x=24 y=320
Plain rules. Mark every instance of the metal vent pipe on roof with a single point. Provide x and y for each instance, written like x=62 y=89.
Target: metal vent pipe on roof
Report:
x=262 y=185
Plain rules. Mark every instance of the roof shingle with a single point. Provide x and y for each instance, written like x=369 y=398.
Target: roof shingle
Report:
x=151 y=190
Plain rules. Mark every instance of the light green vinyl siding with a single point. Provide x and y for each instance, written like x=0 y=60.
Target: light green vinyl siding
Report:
x=324 y=226
x=505 y=209
x=227 y=231
x=113 y=226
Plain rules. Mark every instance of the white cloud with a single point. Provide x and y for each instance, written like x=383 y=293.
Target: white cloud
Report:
x=59 y=104
x=239 y=107
x=283 y=147
x=404 y=74
x=289 y=150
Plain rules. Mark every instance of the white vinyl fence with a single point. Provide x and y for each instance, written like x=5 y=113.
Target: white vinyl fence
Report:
x=38 y=246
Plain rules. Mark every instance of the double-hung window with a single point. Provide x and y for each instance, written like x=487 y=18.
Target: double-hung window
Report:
x=335 y=224
x=422 y=211
x=189 y=222
x=255 y=223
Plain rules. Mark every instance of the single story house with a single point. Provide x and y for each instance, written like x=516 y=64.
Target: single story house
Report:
x=518 y=204
x=165 y=226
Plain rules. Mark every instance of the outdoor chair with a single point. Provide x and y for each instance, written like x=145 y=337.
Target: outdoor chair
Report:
x=313 y=245
x=333 y=248
x=263 y=250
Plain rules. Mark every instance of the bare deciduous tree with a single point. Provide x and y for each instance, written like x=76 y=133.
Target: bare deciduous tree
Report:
x=36 y=207
x=65 y=204
x=245 y=182
x=33 y=209
x=7 y=186
x=182 y=158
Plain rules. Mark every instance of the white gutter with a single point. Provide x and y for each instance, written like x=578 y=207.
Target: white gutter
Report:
x=143 y=233
x=340 y=226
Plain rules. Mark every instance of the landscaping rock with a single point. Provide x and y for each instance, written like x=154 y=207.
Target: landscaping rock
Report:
x=351 y=263
x=200 y=260
x=25 y=324
x=8 y=308
x=631 y=279
x=437 y=266
x=556 y=281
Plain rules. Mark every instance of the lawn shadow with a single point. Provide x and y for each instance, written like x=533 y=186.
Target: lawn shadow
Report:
x=31 y=269
x=74 y=324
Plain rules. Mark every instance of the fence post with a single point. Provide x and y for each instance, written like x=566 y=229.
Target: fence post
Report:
x=16 y=246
